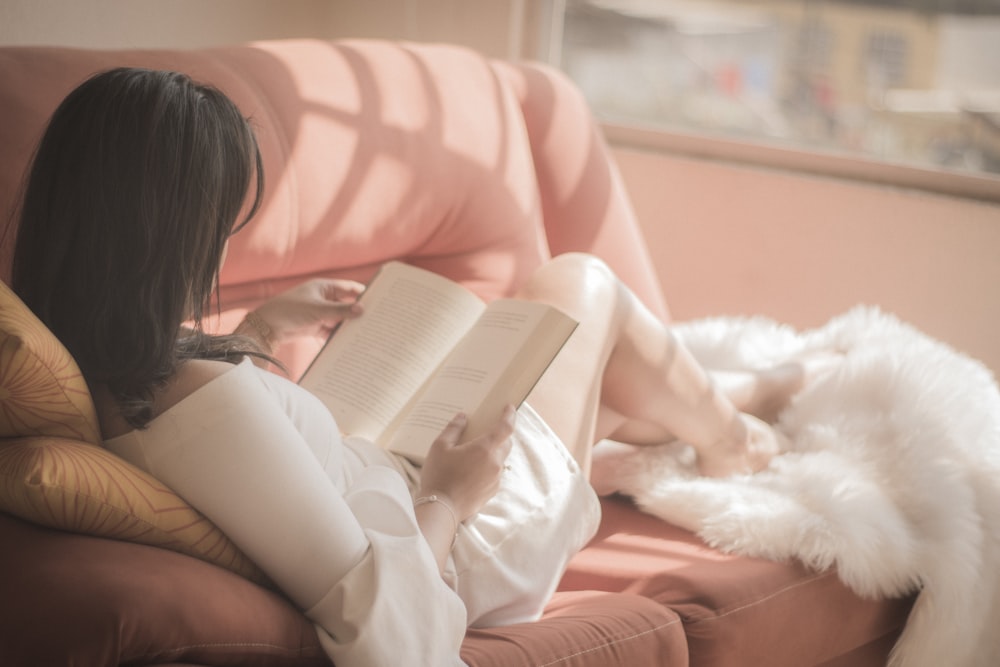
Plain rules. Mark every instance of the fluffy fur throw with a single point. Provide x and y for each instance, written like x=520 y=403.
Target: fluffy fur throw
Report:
x=893 y=476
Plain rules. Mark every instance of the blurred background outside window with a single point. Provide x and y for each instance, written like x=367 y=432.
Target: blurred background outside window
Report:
x=915 y=82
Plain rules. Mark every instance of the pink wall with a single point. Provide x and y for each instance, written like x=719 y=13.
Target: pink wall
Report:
x=732 y=240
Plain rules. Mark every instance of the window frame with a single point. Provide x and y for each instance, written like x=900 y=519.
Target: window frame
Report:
x=868 y=171
x=546 y=20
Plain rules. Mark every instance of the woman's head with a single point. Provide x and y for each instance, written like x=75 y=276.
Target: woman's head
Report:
x=138 y=182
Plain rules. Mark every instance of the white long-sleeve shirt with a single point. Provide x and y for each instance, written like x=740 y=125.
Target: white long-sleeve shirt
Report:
x=339 y=538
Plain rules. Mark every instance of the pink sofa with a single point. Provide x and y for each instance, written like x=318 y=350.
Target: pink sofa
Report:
x=474 y=169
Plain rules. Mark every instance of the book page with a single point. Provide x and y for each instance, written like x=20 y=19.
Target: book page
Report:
x=373 y=364
x=496 y=363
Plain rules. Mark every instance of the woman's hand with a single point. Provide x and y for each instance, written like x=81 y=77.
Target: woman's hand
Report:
x=312 y=308
x=467 y=474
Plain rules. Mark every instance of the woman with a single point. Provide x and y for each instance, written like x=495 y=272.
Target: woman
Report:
x=136 y=186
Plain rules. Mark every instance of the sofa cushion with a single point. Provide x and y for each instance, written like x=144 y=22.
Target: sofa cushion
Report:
x=41 y=389
x=582 y=629
x=95 y=602
x=87 y=601
x=735 y=610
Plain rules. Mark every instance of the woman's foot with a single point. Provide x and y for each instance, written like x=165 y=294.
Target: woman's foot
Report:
x=744 y=456
x=765 y=393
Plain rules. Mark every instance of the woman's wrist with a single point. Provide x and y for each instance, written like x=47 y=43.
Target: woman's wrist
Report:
x=443 y=502
x=438 y=522
x=256 y=327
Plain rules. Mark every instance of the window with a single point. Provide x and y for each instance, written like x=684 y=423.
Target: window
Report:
x=911 y=82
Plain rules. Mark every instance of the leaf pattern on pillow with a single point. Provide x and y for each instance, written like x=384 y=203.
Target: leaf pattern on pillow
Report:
x=53 y=469
x=42 y=391
x=75 y=486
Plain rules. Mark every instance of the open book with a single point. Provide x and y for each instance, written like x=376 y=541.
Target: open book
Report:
x=424 y=349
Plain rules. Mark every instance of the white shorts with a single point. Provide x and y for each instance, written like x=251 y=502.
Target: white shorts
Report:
x=509 y=558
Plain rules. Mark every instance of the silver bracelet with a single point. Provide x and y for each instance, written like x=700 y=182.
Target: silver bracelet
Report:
x=434 y=498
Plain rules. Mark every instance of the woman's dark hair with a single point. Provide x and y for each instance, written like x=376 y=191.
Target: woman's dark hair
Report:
x=135 y=187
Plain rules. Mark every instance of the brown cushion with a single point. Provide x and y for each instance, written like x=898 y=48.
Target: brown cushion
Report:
x=735 y=610
x=90 y=601
x=93 y=601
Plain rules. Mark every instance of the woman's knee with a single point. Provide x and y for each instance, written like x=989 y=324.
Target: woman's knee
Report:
x=574 y=271
x=578 y=283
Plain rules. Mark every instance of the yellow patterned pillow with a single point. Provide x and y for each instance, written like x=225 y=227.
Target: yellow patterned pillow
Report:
x=76 y=486
x=53 y=470
x=41 y=389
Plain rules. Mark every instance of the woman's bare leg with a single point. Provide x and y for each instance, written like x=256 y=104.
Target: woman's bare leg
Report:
x=625 y=374
x=764 y=393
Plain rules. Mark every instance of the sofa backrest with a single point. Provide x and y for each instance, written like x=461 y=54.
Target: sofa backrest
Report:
x=375 y=151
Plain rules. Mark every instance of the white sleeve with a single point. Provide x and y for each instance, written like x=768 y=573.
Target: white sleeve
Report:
x=358 y=565
x=388 y=613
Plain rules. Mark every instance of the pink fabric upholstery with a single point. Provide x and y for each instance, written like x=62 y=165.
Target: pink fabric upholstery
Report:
x=585 y=628
x=767 y=613
x=475 y=169
x=374 y=151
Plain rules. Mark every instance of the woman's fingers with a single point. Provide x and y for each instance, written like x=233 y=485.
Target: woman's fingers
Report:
x=467 y=472
x=338 y=290
x=312 y=308
x=452 y=433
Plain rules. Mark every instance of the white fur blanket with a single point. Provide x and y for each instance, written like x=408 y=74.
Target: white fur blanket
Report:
x=893 y=476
